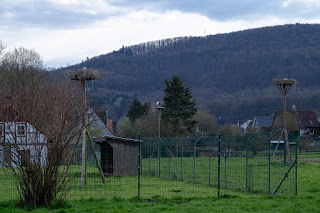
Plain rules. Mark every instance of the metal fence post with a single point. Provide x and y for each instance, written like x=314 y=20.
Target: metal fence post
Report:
x=270 y=158
x=159 y=153
x=150 y=157
x=194 y=163
x=296 y=165
x=210 y=147
x=181 y=160
x=194 y=159
x=139 y=162
x=219 y=149
x=225 y=160
x=225 y=163
x=210 y=155
x=246 y=153
x=269 y=190
x=170 y=159
x=296 y=187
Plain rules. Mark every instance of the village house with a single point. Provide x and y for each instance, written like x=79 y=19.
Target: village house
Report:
x=99 y=124
x=246 y=124
x=299 y=120
x=262 y=122
x=20 y=140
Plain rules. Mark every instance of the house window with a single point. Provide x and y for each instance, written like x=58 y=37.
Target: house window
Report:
x=311 y=131
x=21 y=130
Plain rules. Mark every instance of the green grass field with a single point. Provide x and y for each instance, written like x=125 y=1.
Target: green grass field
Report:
x=171 y=194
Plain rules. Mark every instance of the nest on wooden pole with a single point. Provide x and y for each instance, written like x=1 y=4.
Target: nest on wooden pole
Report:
x=285 y=84
x=83 y=74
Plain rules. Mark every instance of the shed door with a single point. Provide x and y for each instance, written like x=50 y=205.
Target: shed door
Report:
x=107 y=159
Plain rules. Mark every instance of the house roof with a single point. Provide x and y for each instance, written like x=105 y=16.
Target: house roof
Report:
x=95 y=123
x=106 y=138
x=223 y=121
x=9 y=114
x=308 y=119
x=262 y=121
x=305 y=118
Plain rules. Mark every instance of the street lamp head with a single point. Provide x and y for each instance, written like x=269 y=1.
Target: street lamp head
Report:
x=158 y=106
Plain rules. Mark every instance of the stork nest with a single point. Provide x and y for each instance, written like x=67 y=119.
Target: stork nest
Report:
x=285 y=81
x=83 y=74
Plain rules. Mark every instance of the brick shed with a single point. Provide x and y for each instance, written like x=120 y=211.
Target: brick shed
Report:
x=119 y=156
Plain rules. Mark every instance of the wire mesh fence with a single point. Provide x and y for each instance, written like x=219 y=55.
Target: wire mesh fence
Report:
x=181 y=167
x=245 y=162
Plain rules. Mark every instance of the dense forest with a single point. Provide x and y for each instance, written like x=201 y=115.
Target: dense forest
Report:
x=229 y=74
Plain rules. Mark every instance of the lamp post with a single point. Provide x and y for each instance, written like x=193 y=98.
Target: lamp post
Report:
x=284 y=86
x=159 y=108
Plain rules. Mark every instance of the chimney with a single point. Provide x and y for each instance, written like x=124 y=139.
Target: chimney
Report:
x=110 y=125
x=294 y=108
x=106 y=117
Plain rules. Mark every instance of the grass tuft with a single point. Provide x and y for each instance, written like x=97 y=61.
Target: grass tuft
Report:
x=230 y=196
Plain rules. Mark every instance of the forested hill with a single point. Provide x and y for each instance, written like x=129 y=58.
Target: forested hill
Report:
x=222 y=70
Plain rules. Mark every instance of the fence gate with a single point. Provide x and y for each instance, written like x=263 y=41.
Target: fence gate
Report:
x=283 y=164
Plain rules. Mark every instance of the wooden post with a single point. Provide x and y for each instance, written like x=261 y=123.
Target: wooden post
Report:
x=96 y=157
x=284 y=86
x=82 y=75
x=83 y=149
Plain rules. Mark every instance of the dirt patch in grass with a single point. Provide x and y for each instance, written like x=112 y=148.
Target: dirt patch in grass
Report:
x=309 y=160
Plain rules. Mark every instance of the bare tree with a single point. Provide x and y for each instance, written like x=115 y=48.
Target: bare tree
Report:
x=22 y=58
x=206 y=122
x=41 y=125
x=18 y=69
x=41 y=128
x=2 y=48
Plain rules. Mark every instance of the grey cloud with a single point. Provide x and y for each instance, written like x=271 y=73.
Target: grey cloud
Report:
x=224 y=10
x=45 y=14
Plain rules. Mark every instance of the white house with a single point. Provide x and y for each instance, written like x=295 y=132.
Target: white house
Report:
x=244 y=125
x=20 y=141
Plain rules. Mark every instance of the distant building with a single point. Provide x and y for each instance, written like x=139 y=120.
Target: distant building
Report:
x=99 y=124
x=262 y=122
x=223 y=121
x=244 y=125
x=299 y=119
x=20 y=141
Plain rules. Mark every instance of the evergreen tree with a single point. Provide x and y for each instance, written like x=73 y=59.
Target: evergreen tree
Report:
x=179 y=108
x=137 y=109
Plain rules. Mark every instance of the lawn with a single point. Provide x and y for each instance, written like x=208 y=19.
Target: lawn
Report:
x=170 y=194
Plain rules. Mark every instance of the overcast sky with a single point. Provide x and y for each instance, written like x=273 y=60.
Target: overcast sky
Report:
x=67 y=31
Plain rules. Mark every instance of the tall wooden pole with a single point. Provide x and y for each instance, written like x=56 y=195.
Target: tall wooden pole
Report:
x=286 y=150
x=82 y=75
x=284 y=86
x=84 y=150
